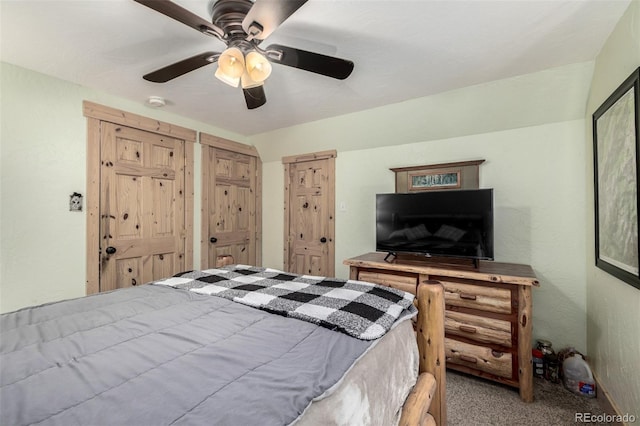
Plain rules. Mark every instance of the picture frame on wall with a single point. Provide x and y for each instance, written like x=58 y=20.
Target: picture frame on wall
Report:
x=431 y=180
x=441 y=176
x=616 y=154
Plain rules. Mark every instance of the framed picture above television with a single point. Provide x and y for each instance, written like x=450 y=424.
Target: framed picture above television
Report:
x=422 y=181
x=616 y=154
x=434 y=177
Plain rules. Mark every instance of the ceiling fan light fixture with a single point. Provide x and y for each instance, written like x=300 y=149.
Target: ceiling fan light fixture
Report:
x=258 y=67
x=242 y=25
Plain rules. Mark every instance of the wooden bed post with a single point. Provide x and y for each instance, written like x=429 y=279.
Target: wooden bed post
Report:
x=430 y=335
x=430 y=389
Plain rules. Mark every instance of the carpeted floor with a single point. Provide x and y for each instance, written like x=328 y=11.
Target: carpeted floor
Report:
x=472 y=401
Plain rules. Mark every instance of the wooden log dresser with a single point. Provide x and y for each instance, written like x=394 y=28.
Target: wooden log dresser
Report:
x=487 y=313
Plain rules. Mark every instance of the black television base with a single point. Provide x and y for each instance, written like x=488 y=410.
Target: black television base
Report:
x=422 y=260
x=391 y=254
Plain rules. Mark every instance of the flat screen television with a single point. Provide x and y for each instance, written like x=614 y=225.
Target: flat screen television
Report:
x=456 y=223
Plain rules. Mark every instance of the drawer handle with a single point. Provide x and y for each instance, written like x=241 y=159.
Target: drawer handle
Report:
x=468 y=329
x=467 y=296
x=467 y=358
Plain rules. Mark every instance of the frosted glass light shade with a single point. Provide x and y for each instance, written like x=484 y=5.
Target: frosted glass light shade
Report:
x=232 y=62
x=248 y=82
x=231 y=81
x=230 y=66
x=258 y=67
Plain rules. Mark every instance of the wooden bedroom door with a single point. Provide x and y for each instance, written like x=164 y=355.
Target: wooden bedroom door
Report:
x=309 y=213
x=142 y=206
x=230 y=202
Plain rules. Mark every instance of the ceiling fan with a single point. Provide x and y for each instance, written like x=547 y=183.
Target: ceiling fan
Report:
x=242 y=25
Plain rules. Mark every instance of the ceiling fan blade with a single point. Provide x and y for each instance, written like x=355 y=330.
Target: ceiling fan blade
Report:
x=267 y=15
x=180 y=68
x=180 y=14
x=254 y=97
x=310 y=61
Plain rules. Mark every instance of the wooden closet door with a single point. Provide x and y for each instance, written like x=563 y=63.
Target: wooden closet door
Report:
x=142 y=206
x=230 y=187
x=309 y=214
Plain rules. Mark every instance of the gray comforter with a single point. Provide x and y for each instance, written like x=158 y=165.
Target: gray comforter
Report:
x=153 y=355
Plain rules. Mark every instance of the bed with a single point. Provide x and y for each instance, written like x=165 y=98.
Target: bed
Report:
x=193 y=349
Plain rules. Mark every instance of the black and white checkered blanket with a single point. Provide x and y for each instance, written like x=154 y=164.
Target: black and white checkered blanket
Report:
x=360 y=309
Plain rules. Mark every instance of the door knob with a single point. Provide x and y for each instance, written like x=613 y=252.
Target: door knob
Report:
x=213 y=240
x=323 y=240
x=110 y=250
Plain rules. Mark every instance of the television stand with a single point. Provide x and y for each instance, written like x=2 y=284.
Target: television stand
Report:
x=487 y=310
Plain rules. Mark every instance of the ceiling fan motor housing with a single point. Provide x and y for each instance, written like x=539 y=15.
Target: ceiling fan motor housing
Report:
x=228 y=15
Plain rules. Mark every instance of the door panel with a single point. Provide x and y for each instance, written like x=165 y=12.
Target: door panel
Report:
x=142 y=206
x=129 y=200
x=128 y=271
x=309 y=211
x=162 y=265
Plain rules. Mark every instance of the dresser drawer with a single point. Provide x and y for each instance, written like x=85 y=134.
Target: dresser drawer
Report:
x=401 y=282
x=479 y=358
x=479 y=329
x=482 y=297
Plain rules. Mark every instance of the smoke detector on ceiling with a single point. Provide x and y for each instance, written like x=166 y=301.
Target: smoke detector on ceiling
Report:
x=156 y=101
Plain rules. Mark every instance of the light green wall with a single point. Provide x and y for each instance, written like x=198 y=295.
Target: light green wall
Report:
x=535 y=164
x=42 y=161
x=613 y=307
x=549 y=96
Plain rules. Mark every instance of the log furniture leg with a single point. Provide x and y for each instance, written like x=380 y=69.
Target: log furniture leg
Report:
x=426 y=404
x=525 y=367
x=430 y=335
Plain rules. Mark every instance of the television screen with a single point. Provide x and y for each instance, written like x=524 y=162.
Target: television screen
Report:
x=455 y=223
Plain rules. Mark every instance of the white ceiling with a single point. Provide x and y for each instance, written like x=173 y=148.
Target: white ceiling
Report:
x=401 y=50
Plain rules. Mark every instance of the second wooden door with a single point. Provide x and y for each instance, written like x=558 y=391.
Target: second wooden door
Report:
x=230 y=220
